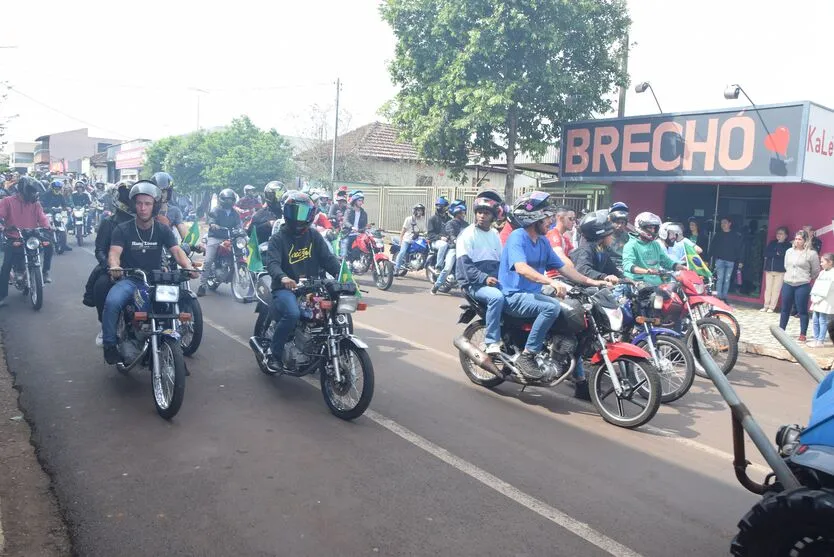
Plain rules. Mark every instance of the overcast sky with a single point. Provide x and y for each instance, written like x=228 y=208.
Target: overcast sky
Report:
x=127 y=69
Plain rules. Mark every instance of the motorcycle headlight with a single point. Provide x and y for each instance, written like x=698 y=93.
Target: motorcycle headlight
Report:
x=615 y=318
x=33 y=243
x=657 y=302
x=59 y=217
x=240 y=242
x=167 y=293
x=787 y=438
x=347 y=304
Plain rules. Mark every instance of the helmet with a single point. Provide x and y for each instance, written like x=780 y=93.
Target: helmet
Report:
x=56 y=184
x=355 y=196
x=165 y=183
x=441 y=202
x=341 y=195
x=299 y=209
x=248 y=190
x=595 y=226
x=272 y=190
x=670 y=228
x=532 y=207
x=418 y=207
x=30 y=188
x=227 y=198
x=80 y=184
x=489 y=200
x=315 y=196
x=145 y=187
x=645 y=220
x=618 y=211
x=99 y=185
x=122 y=201
x=457 y=206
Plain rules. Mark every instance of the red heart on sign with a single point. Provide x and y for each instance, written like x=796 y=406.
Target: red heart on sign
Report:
x=777 y=142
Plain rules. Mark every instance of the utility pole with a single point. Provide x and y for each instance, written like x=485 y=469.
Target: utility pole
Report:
x=198 y=91
x=335 y=135
x=622 y=101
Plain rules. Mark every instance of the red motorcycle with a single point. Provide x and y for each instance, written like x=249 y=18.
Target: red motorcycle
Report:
x=686 y=300
x=367 y=252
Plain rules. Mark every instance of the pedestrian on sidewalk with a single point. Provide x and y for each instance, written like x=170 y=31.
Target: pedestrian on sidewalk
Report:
x=822 y=300
x=802 y=265
x=727 y=250
x=774 y=266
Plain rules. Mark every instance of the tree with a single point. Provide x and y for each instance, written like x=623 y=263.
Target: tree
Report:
x=495 y=77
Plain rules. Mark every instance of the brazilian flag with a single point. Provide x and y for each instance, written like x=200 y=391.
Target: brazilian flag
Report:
x=254 y=261
x=695 y=263
x=193 y=236
x=345 y=276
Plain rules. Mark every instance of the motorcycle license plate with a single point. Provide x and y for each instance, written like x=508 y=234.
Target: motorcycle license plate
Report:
x=167 y=293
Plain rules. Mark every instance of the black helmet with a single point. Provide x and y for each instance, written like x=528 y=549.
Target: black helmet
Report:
x=532 y=207
x=596 y=226
x=80 y=184
x=618 y=211
x=489 y=200
x=30 y=188
x=145 y=187
x=299 y=209
x=165 y=183
x=123 y=198
x=227 y=198
x=272 y=191
x=418 y=207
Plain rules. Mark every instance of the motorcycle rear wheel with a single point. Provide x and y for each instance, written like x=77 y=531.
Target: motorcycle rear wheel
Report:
x=789 y=523
x=728 y=319
x=637 y=374
x=191 y=332
x=473 y=371
x=169 y=384
x=674 y=383
x=353 y=362
x=36 y=288
x=385 y=279
x=721 y=342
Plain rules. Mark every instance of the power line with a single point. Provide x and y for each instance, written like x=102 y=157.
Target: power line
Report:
x=61 y=112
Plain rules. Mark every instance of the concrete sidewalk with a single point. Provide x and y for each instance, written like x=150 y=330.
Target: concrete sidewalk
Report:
x=757 y=339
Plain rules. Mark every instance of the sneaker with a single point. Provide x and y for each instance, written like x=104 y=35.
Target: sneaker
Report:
x=526 y=364
x=46 y=278
x=493 y=348
x=446 y=288
x=434 y=289
x=272 y=362
x=814 y=344
x=802 y=338
x=581 y=390
x=769 y=310
x=111 y=354
x=88 y=301
x=100 y=339
x=763 y=310
x=201 y=291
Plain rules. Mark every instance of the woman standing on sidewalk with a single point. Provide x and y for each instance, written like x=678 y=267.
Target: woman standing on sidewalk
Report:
x=802 y=265
x=774 y=267
x=822 y=300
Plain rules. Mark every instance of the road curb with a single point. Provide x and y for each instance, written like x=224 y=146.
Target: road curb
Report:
x=825 y=362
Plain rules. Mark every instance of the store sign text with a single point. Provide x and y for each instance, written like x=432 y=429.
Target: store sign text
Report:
x=819 y=142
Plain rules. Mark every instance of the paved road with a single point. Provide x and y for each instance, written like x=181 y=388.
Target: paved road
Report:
x=254 y=465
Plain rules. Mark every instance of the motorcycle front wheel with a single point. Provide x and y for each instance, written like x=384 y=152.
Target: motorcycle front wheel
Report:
x=728 y=319
x=720 y=342
x=79 y=235
x=635 y=375
x=676 y=367
x=349 y=398
x=384 y=278
x=58 y=243
x=169 y=383
x=242 y=284
x=191 y=332
x=36 y=288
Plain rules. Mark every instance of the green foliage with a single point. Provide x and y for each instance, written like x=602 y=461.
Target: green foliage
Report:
x=237 y=155
x=497 y=77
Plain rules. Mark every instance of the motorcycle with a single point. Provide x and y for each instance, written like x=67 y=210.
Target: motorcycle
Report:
x=415 y=258
x=681 y=296
x=58 y=222
x=147 y=334
x=322 y=342
x=796 y=512
x=669 y=353
x=585 y=327
x=79 y=218
x=230 y=265
x=433 y=271
x=367 y=252
x=26 y=274
x=190 y=330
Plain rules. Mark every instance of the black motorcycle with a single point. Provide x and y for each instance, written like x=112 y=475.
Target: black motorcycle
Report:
x=322 y=342
x=230 y=265
x=27 y=274
x=191 y=330
x=58 y=218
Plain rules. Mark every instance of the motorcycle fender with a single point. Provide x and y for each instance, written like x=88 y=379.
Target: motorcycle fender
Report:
x=356 y=341
x=260 y=307
x=380 y=257
x=468 y=314
x=656 y=331
x=617 y=350
x=709 y=300
x=188 y=293
x=172 y=334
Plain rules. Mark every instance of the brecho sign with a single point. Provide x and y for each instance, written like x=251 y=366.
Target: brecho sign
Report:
x=712 y=146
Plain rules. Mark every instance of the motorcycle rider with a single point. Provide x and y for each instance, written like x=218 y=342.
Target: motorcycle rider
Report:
x=526 y=256
x=592 y=257
x=294 y=251
x=355 y=221
x=479 y=253
x=169 y=213
x=642 y=255
x=413 y=225
x=618 y=215
x=249 y=203
x=265 y=218
x=559 y=235
x=338 y=209
x=222 y=216
x=80 y=198
x=673 y=241
x=436 y=234
x=324 y=203
x=452 y=229
x=53 y=199
x=136 y=244
x=22 y=210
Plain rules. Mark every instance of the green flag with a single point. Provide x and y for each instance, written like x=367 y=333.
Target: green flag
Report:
x=345 y=276
x=254 y=262
x=694 y=261
x=193 y=236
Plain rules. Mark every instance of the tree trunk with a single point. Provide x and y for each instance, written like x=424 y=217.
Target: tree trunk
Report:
x=512 y=123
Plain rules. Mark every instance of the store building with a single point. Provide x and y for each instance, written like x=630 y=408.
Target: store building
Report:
x=763 y=168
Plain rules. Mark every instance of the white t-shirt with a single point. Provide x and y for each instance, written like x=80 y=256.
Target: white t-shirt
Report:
x=678 y=252
x=412 y=224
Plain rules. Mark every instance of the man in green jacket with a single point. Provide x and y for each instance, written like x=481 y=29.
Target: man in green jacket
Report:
x=643 y=255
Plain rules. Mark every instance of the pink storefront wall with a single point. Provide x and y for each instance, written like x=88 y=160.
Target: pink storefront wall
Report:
x=640 y=196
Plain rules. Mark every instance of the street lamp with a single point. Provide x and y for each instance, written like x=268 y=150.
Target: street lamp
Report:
x=198 y=103
x=641 y=88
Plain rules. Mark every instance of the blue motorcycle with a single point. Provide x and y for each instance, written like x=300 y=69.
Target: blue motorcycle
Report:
x=669 y=353
x=416 y=256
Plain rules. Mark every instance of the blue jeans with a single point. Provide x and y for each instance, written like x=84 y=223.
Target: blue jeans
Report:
x=448 y=265
x=346 y=242
x=723 y=276
x=795 y=295
x=285 y=312
x=820 y=326
x=403 y=252
x=119 y=296
x=441 y=248
x=543 y=308
x=494 y=300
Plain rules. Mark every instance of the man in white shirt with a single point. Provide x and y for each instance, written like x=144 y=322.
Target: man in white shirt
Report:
x=413 y=225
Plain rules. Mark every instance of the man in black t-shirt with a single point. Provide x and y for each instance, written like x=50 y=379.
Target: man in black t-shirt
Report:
x=136 y=244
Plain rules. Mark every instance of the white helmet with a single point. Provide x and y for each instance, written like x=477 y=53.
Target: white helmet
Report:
x=670 y=228
x=645 y=220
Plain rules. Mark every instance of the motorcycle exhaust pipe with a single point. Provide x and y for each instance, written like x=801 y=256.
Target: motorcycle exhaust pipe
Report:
x=480 y=358
x=256 y=348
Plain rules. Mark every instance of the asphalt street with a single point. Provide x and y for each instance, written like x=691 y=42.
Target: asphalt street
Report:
x=254 y=465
